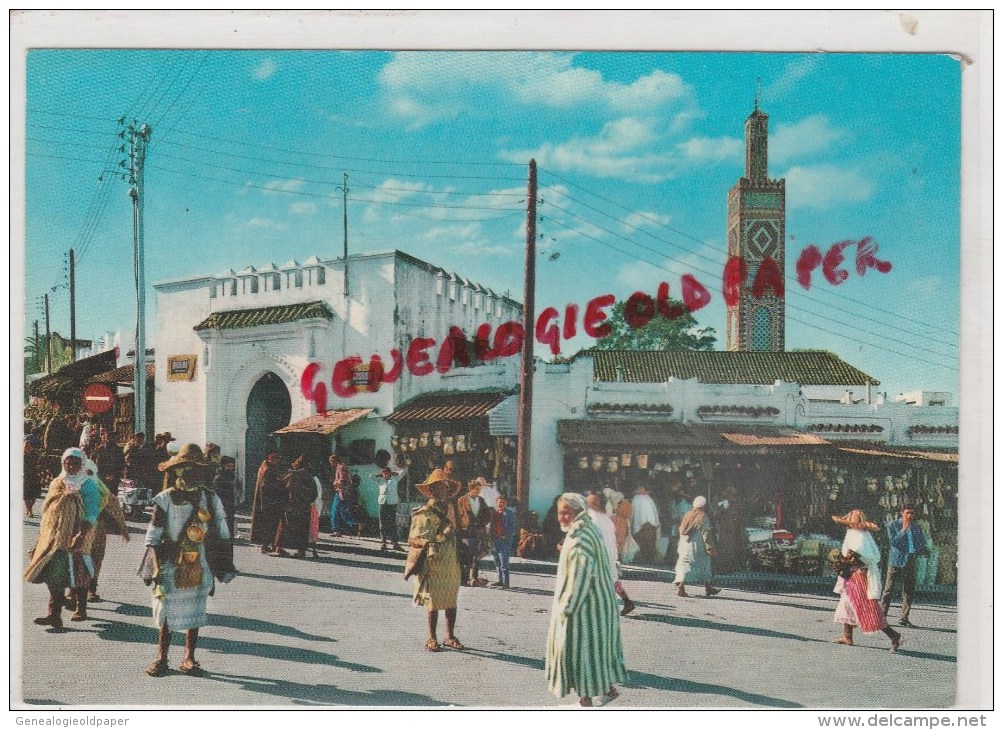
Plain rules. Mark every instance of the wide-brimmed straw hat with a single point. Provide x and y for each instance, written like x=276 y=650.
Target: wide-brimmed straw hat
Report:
x=439 y=486
x=189 y=454
x=855 y=519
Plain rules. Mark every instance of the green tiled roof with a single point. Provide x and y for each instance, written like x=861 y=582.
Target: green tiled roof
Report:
x=237 y=318
x=804 y=368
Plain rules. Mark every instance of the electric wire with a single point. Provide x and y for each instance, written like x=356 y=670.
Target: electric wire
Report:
x=693 y=238
x=789 y=317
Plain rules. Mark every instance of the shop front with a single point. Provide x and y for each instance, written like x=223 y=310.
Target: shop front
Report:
x=438 y=427
x=755 y=479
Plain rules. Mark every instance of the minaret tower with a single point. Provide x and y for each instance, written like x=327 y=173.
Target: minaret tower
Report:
x=756 y=216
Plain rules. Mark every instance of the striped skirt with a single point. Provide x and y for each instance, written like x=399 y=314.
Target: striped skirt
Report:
x=856 y=609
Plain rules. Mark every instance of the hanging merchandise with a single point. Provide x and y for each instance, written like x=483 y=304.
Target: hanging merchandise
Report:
x=612 y=464
x=642 y=461
x=625 y=460
x=583 y=462
x=461 y=443
x=597 y=462
x=413 y=443
x=447 y=445
x=423 y=440
x=437 y=439
x=393 y=442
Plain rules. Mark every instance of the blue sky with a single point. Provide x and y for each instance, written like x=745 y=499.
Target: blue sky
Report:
x=636 y=153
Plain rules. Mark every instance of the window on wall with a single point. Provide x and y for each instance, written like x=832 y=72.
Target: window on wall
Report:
x=761 y=329
x=250 y=285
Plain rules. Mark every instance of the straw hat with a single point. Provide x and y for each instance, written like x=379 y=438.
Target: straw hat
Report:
x=439 y=486
x=189 y=454
x=855 y=519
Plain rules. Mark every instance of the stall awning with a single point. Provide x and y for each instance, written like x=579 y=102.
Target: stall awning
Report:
x=950 y=457
x=123 y=375
x=640 y=434
x=451 y=406
x=73 y=376
x=503 y=419
x=324 y=424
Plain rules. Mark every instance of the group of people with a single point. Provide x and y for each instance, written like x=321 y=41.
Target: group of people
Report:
x=188 y=542
x=864 y=600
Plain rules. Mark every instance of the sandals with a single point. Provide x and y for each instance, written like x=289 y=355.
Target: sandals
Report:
x=896 y=643
x=432 y=645
x=453 y=643
x=191 y=667
x=158 y=669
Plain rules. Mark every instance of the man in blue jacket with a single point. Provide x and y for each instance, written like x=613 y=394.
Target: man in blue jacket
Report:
x=907 y=541
x=503 y=533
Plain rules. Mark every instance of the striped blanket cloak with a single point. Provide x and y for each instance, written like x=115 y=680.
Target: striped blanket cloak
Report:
x=584 y=647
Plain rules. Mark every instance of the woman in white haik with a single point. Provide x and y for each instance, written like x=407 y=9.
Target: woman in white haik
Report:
x=183 y=581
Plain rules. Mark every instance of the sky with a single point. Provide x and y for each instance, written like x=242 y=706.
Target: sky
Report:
x=636 y=152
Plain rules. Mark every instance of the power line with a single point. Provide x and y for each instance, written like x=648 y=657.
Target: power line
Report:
x=415 y=161
x=655 y=221
x=67 y=114
x=182 y=92
x=913 y=356
x=788 y=290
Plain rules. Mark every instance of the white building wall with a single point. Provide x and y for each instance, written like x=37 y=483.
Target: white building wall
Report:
x=181 y=404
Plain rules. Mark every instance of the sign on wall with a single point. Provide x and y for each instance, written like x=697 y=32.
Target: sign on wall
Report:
x=181 y=367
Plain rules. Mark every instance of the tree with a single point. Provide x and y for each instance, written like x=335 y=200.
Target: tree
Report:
x=680 y=332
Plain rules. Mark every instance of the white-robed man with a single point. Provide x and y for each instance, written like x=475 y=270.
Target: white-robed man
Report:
x=644 y=524
x=608 y=531
x=696 y=548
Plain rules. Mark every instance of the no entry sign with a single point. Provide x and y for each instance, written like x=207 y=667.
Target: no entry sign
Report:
x=98 y=398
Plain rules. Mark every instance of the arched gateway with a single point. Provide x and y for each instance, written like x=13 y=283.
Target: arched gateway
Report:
x=269 y=407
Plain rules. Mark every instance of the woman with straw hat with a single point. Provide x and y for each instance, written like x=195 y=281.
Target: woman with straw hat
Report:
x=185 y=515
x=433 y=558
x=859 y=581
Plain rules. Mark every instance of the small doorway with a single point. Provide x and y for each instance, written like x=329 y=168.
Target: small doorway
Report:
x=269 y=407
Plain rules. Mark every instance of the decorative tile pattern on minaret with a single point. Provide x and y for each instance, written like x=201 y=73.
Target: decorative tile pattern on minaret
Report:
x=756 y=231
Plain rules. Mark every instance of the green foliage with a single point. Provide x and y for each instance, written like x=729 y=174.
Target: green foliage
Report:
x=680 y=333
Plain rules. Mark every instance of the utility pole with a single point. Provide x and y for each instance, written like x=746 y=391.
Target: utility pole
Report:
x=73 y=309
x=529 y=332
x=48 y=339
x=38 y=367
x=344 y=209
x=138 y=139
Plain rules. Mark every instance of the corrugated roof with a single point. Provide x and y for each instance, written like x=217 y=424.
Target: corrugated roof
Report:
x=804 y=368
x=124 y=375
x=326 y=423
x=237 y=318
x=73 y=376
x=647 y=434
x=450 y=406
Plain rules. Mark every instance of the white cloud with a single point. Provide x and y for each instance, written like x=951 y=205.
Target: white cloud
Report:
x=644 y=219
x=822 y=186
x=265 y=70
x=790 y=77
x=427 y=87
x=707 y=149
x=265 y=224
x=625 y=148
x=809 y=136
x=301 y=208
x=468 y=239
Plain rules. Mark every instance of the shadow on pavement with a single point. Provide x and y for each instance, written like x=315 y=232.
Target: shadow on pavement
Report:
x=324 y=584
x=643 y=680
x=231 y=622
x=236 y=650
x=326 y=694
x=696 y=623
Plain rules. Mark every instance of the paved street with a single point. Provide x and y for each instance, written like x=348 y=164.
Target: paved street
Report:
x=340 y=630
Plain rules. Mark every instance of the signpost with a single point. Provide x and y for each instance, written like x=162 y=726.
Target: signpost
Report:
x=98 y=398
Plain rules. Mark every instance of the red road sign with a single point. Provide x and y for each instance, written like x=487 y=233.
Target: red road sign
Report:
x=98 y=398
